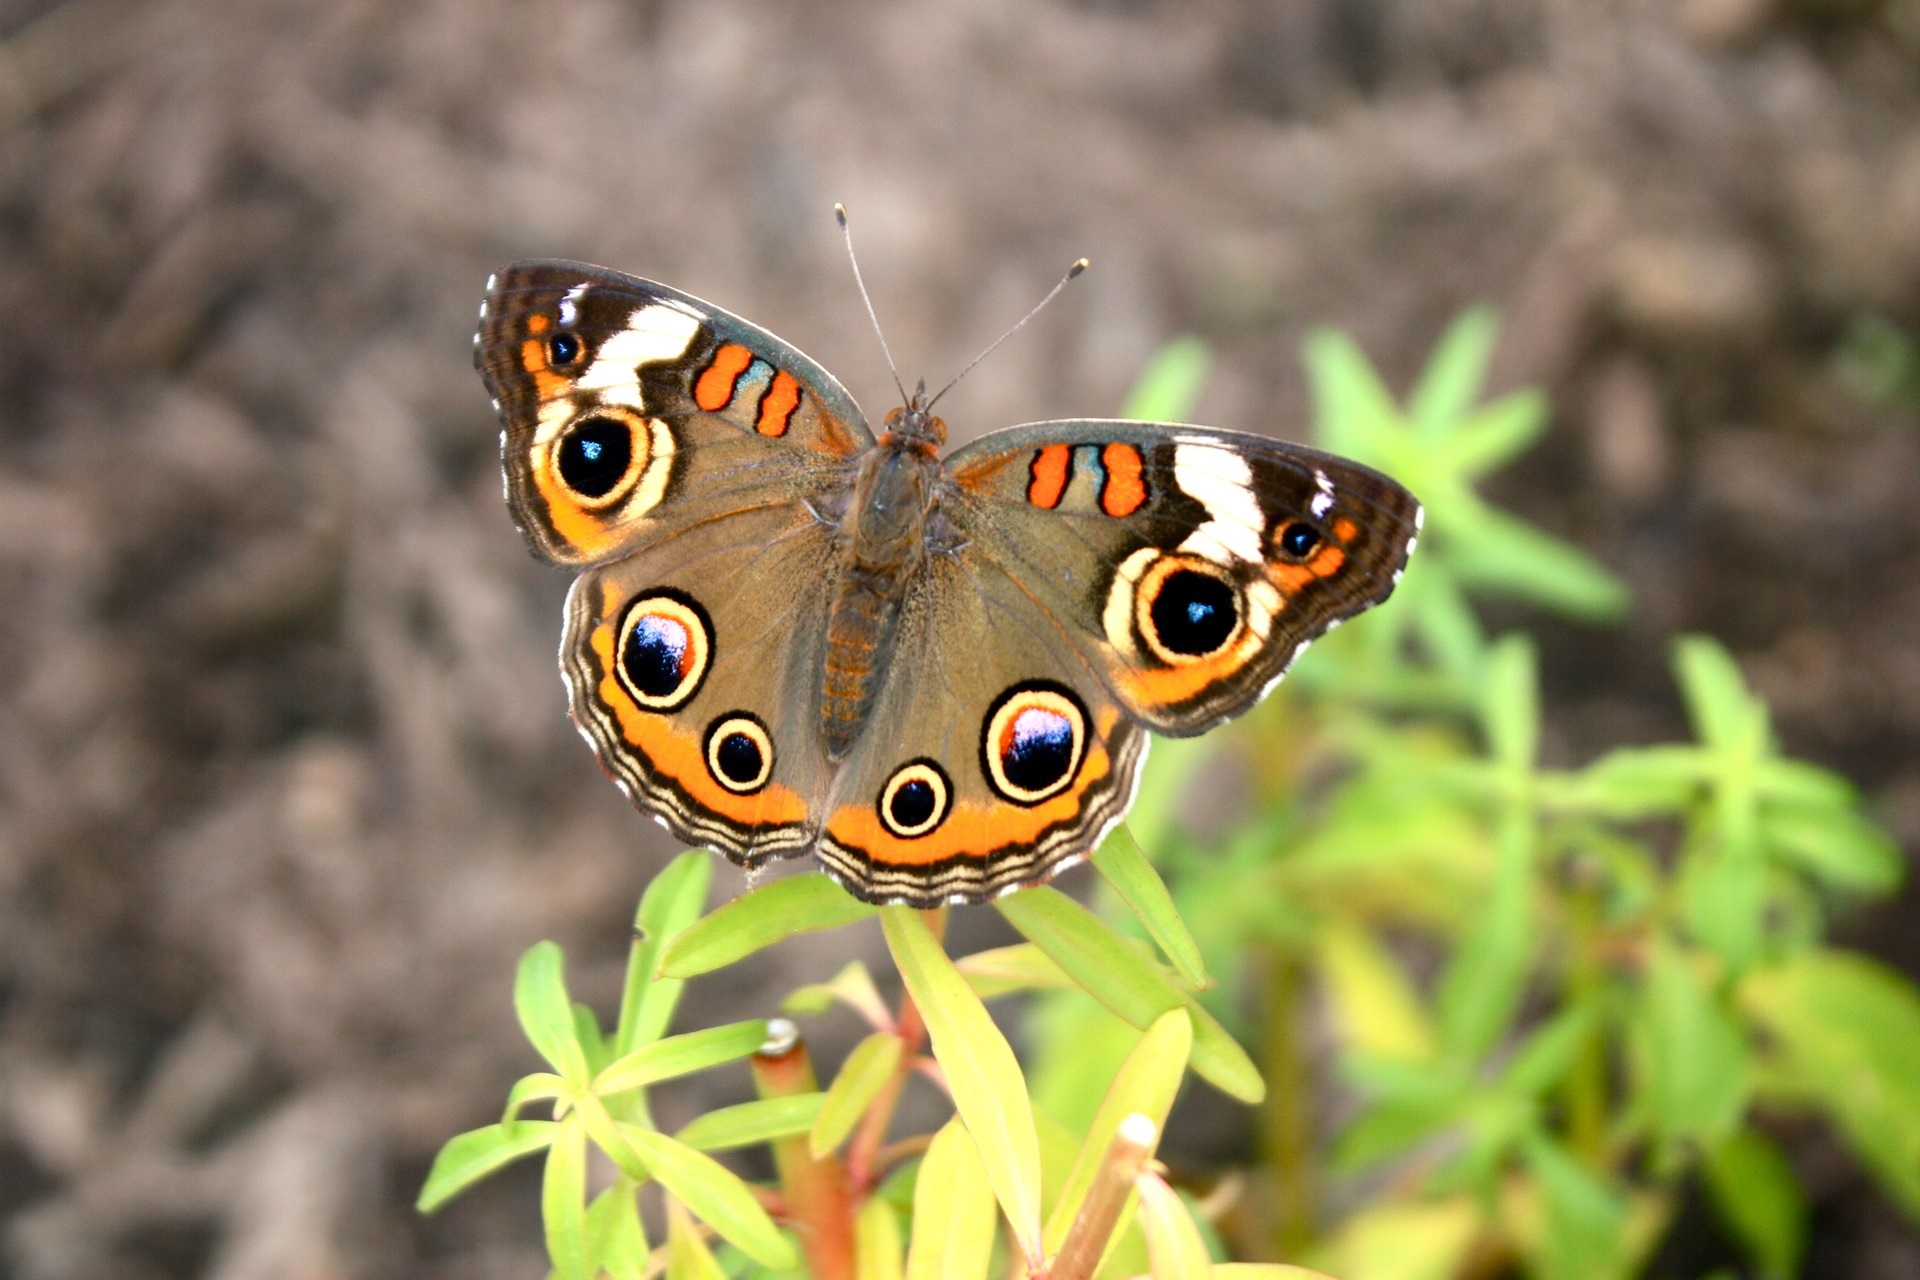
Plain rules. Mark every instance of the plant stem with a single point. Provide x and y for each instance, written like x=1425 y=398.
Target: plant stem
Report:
x=819 y=1203
x=1086 y=1240
x=1286 y=1118
x=912 y=1030
x=1586 y=1085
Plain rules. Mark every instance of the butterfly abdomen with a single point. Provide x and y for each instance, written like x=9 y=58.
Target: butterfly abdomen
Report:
x=882 y=544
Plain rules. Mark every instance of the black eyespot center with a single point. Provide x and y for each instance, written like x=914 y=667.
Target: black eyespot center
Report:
x=1298 y=539
x=563 y=349
x=1033 y=741
x=665 y=649
x=739 y=752
x=658 y=652
x=915 y=800
x=912 y=803
x=739 y=757
x=595 y=455
x=1194 y=613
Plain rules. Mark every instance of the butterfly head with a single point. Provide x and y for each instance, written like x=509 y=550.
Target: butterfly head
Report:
x=914 y=426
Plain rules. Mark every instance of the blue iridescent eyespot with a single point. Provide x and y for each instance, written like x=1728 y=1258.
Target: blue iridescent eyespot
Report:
x=1032 y=742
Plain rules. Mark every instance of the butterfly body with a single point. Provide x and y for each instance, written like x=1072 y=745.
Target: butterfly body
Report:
x=937 y=674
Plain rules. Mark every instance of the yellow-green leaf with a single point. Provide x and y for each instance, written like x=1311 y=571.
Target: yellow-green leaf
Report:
x=745 y=1123
x=1378 y=1011
x=1124 y=866
x=563 y=1202
x=546 y=1015
x=681 y=1055
x=716 y=1195
x=988 y=1089
x=473 y=1155
x=1174 y=1243
x=876 y=1241
x=865 y=1072
x=688 y=1257
x=952 y=1211
x=759 y=918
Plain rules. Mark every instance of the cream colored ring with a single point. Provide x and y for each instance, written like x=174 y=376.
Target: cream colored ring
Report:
x=756 y=733
x=675 y=610
x=918 y=771
x=1001 y=727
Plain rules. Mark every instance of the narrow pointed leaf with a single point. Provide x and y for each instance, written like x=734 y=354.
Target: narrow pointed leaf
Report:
x=877 y=1254
x=1353 y=413
x=546 y=1015
x=563 y=1202
x=746 y=1123
x=1170 y=384
x=865 y=1072
x=1145 y=1085
x=541 y=1086
x=688 y=1257
x=681 y=1055
x=1124 y=866
x=1501 y=553
x=953 y=1223
x=1584 y=1216
x=1264 y=1271
x=1754 y=1191
x=672 y=902
x=616 y=1242
x=717 y=1196
x=853 y=987
x=760 y=918
x=473 y=1155
x=1174 y=1243
x=1510 y=708
x=1698 y=1060
x=1374 y=1003
x=1498 y=433
x=1021 y=967
x=1451 y=382
x=1724 y=713
x=988 y=1089
x=1116 y=974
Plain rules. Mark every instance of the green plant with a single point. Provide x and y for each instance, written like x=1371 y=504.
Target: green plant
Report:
x=1628 y=974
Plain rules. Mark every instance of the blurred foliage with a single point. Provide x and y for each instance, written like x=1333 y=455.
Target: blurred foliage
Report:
x=1562 y=996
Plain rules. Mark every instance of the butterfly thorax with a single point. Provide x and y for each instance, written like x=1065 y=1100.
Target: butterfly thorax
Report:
x=882 y=544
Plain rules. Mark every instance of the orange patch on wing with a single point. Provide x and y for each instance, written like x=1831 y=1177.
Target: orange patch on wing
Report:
x=1168 y=686
x=973 y=829
x=679 y=756
x=1290 y=578
x=714 y=389
x=547 y=385
x=777 y=406
x=538 y=323
x=584 y=533
x=1048 y=475
x=1126 y=488
x=1345 y=529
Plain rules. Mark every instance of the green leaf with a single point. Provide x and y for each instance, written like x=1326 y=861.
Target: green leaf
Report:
x=1497 y=434
x=876 y=1242
x=563 y=1201
x=1841 y=848
x=541 y=1086
x=1264 y=1271
x=1174 y=1243
x=1145 y=1085
x=1455 y=372
x=1169 y=386
x=988 y=1089
x=616 y=1242
x=1002 y=970
x=473 y=1155
x=672 y=902
x=1397 y=1240
x=1725 y=715
x=719 y=1198
x=688 y=1257
x=1481 y=988
x=952 y=1211
x=1642 y=782
x=1501 y=553
x=681 y=1055
x=1377 y=1010
x=1113 y=972
x=1585 y=1218
x=1510 y=705
x=546 y=1015
x=863 y=1075
x=1848 y=1036
x=1550 y=1052
x=1353 y=412
x=746 y=1123
x=853 y=987
x=760 y=918
x=1755 y=1193
x=1123 y=865
x=1698 y=1061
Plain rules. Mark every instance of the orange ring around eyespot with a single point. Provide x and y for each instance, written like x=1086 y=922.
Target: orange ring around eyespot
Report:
x=999 y=735
x=1148 y=591
x=639 y=454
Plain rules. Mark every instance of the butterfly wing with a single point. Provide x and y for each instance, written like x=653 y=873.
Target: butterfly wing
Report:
x=632 y=412
x=1189 y=566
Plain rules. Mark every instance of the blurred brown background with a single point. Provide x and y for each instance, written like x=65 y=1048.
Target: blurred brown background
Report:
x=285 y=778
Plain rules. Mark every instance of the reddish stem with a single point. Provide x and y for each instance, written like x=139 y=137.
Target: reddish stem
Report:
x=819 y=1203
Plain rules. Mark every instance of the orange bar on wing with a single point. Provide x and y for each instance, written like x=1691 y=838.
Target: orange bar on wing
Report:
x=714 y=391
x=777 y=406
x=1048 y=475
x=1126 y=488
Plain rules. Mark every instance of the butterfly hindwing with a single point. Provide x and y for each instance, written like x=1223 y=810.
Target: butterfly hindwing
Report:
x=631 y=411
x=1190 y=565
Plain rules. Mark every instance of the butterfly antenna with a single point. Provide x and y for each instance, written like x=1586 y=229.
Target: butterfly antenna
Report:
x=840 y=214
x=1052 y=293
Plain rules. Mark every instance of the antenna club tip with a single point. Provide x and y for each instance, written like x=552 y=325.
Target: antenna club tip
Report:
x=1077 y=268
x=840 y=214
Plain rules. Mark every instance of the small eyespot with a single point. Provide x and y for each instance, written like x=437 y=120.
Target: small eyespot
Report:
x=599 y=457
x=1187 y=609
x=915 y=800
x=563 y=349
x=666 y=646
x=1032 y=743
x=739 y=753
x=1296 y=539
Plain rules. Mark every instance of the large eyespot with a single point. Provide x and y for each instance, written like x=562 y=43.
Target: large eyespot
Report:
x=739 y=753
x=1295 y=539
x=563 y=349
x=915 y=800
x=600 y=456
x=1033 y=740
x=666 y=646
x=1187 y=609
